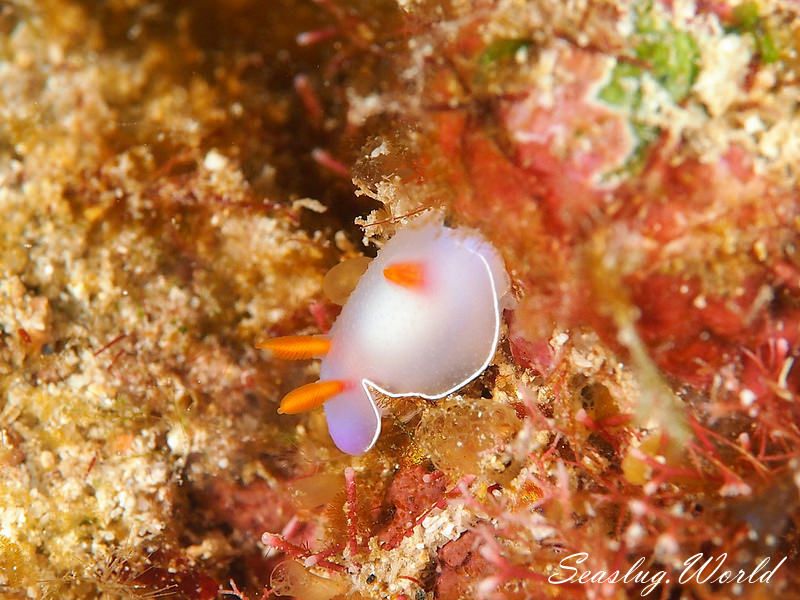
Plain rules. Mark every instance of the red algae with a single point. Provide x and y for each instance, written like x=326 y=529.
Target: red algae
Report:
x=413 y=491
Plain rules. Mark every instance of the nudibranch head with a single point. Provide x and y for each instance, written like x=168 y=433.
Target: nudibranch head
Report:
x=423 y=320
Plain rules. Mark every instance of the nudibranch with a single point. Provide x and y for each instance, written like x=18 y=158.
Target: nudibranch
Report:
x=423 y=320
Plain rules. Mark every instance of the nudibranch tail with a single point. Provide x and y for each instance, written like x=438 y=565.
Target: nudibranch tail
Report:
x=354 y=420
x=296 y=347
x=410 y=274
x=310 y=396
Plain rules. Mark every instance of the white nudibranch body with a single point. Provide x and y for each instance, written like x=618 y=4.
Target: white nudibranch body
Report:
x=423 y=320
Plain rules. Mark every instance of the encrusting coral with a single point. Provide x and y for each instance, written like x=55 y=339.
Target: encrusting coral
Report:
x=176 y=179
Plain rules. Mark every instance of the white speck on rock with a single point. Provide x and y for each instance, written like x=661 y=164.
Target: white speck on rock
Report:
x=214 y=161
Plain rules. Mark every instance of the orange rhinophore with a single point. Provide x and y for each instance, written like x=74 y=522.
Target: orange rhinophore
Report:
x=406 y=274
x=296 y=347
x=309 y=396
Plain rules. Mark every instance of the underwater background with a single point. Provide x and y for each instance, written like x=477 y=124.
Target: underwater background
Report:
x=177 y=178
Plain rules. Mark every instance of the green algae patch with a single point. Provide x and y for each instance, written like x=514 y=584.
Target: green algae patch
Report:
x=624 y=87
x=748 y=20
x=624 y=91
x=501 y=50
x=671 y=55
